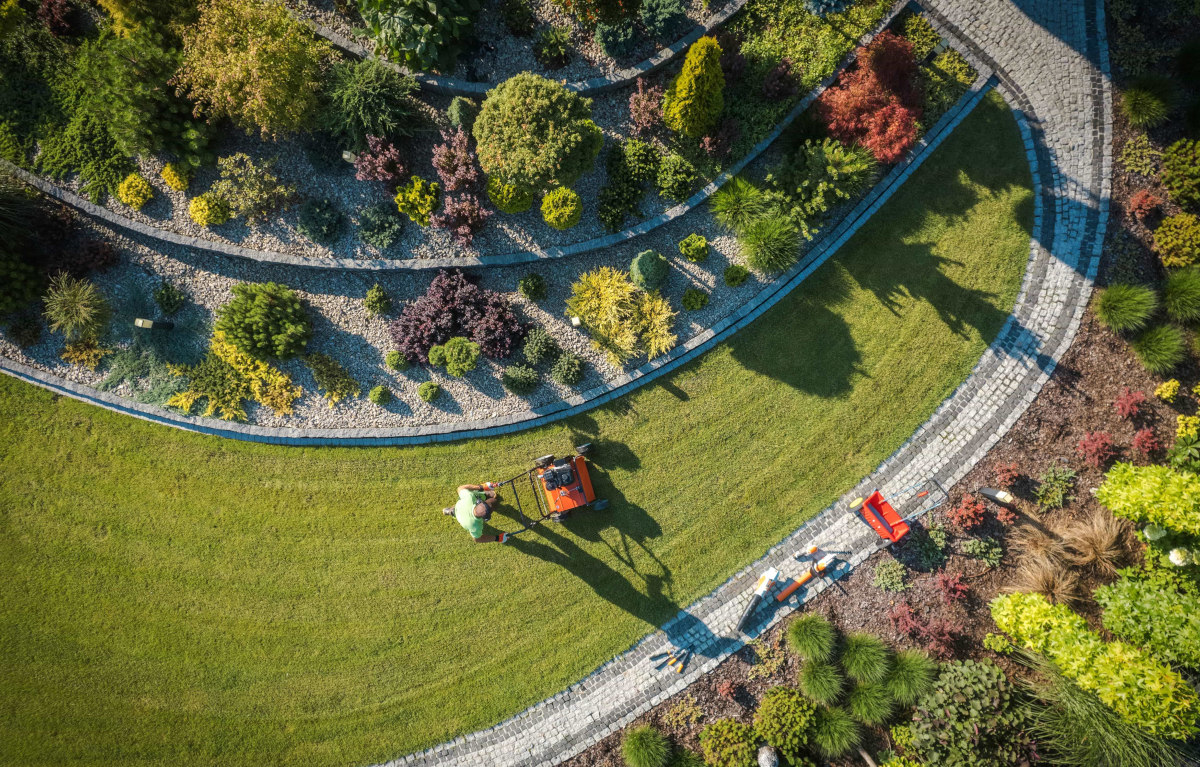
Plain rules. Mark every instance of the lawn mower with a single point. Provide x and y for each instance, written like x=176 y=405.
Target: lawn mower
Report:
x=560 y=486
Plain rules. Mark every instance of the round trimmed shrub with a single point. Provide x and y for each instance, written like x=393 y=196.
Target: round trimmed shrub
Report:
x=912 y=674
x=694 y=101
x=783 y=718
x=694 y=247
x=1181 y=172
x=865 y=657
x=615 y=39
x=648 y=269
x=320 y=220
x=676 y=177
x=380 y=395
x=461 y=113
x=540 y=345
x=694 y=299
x=1160 y=349
x=508 y=198
x=380 y=225
x=736 y=274
x=1177 y=240
x=1181 y=295
x=1124 y=307
x=209 y=209
x=770 y=244
x=459 y=355
x=568 y=369
x=1147 y=102
x=532 y=286
x=562 y=208
x=135 y=191
x=834 y=732
x=429 y=391
x=645 y=746
x=176 y=176
x=811 y=637
x=728 y=743
x=396 y=361
x=820 y=681
x=265 y=320
x=377 y=301
x=534 y=133
x=520 y=379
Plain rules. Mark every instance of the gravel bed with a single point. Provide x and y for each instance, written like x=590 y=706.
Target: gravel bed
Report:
x=343 y=329
x=499 y=54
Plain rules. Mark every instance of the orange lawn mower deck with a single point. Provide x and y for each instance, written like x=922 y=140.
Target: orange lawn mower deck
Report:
x=560 y=486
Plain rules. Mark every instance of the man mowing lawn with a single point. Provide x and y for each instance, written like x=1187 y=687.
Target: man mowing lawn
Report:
x=474 y=507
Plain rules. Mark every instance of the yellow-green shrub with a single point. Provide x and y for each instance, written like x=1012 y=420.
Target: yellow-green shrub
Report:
x=562 y=208
x=1153 y=494
x=623 y=320
x=176 y=176
x=1138 y=688
x=1177 y=240
x=135 y=191
x=208 y=209
x=695 y=100
x=417 y=199
x=508 y=198
x=227 y=376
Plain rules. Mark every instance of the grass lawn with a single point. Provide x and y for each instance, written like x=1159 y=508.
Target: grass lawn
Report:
x=170 y=598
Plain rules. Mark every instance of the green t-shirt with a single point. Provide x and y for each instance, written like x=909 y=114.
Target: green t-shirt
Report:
x=464 y=512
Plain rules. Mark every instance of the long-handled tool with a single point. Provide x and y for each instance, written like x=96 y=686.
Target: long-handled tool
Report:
x=765 y=582
x=814 y=570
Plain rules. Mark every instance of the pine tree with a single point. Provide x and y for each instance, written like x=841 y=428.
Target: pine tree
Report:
x=696 y=98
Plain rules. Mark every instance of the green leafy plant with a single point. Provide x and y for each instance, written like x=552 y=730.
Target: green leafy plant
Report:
x=1177 y=240
x=367 y=98
x=380 y=225
x=562 y=208
x=540 y=345
x=265 y=320
x=912 y=674
x=1138 y=156
x=1181 y=172
x=422 y=35
x=1160 y=349
x=532 y=286
x=1127 y=679
x=334 y=381
x=1054 y=488
x=737 y=204
x=811 y=637
x=553 y=46
x=676 y=177
x=770 y=244
x=76 y=308
x=645 y=746
x=380 y=395
x=616 y=40
x=250 y=190
x=987 y=550
x=1157 y=495
x=320 y=221
x=891 y=576
x=648 y=269
x=169 y=297
x=735 y=274
x=429 y=391
x=834 y=732
x=459 y=355
x=729 y=743
x=509 y=198
x=1181 y=295
x=135 y=191
x=1153 y=607
x=534 y=134
x=815 y=178
x=568 y=369
x=821 y=681
x=377 y=301
x=694 y=299
x=418 y=199
x=396 y=361
x=870 y=703
x=696 y=97
x=918 y=31
x=694 y=247
x=520 y=379
x=1126 y=307
x=782 y=720
x=866 y=658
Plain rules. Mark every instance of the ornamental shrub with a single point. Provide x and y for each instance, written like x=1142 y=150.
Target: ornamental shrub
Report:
x=58 y=16
x=532 y=286
x=728 y=743
x=135 y=191
x=520 y=379
x=737 y=204
x=320 y=220
x=911 y=676
x=1181 y=172
x=455 y=162
x=811 y=637
x=987 y=550
x=562 y=208
x=918 y=31
x=334 y=381
x=455 y=306
x=462 y=215
x=1122 y=307
x=645 y=746
x=1157 y=495
x=461 y=113
x=377 y=301
x=535 y=134
x=1145 y=442
x=1155 y=608
x=834 y=732
x=429 y=391
x=770 y=244
x=972 y=716
x=553 y=46
x=1177 y=240
x=624 y=321
x=209 y=209
x=76 y=308
x=695 y=100
x=1139 y=156
x=1127 y=679
x=380 y=161
x=367 y=98
x=1143 y=204
x=1160 y=349
x=176 y=176
x=694 y=247
x=508 y=198
x=616 y=40
x=891 y=576
x=380 y=225
x=719 y=143
x=169 y=298
x=418 y=199
x=591 y=11
x=396 y=361
x=783 y=719
x=694 y=299
x=968 y=514
x=821 y=681
x=817 y=177
x=1147 y=101
x=676 y=177
x=645 y=107
x=1096 y=448
x=265 y=320
x=1181 y=295
x=255 y=64
x=735 y=274
x=251 y=190
x=459 y=356
x=643 y=160
x=226 y=377
x=662 y=18
x=540 y=345
x=648 y=269
x=568 y=369
x=380 y=395
x=826 y=7
x=780 y=83
x=422 y=35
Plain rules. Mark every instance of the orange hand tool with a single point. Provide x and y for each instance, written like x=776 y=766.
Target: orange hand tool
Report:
x=813 y=571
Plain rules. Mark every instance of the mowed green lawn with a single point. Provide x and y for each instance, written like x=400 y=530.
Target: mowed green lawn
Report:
x=169 y=598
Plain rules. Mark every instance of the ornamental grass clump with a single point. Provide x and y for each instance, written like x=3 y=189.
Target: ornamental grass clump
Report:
x=737 y=204
x=783 y=719
x=76 y=308
x=645 y=746
x=695 y=99
x=1147 y=101
x=870 y=703
x=834 y=732
x=265 y=321
x=821 y=681
x=865 y=657
x=911 y=675
x=811 y=637
x=1160 y=349
x=1181 y=295
x=770 y=244
x=1126 y=307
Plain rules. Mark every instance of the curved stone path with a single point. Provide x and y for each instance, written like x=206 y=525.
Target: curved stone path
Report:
x=1051 y=60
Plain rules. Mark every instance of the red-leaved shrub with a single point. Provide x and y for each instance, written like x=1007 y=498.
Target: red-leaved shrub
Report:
x=938 y=635
x=1097 y=448
x=1143 y=204
x=890 y=61
x=58 y=16
x=733 y=61
x=455 y=306
x=727 y=689
x=718 y=143
x=463 y=216
x=455 y=162
x=1006 y=516
x=645 y=106
x=1007 y=475
x=968 y=514
x=1129 y=403
x=1146 y=442
x=380 y=162
x=952 y=587
x=905 y=620
x=779 y=83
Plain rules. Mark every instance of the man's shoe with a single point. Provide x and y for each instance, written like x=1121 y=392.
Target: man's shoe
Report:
x=448 y=510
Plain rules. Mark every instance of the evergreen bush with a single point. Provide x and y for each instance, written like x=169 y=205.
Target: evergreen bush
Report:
x=540 y=345
x=695 y=100
x=135 y=191
x=648 y=269
x=568 y=369
x=429 y=391
x=320 y=220
x=694 y=247
x=265 y=321
x=1177 y=240
x=562 y=208
x=729 y=743
x=676 y=177
x=367 y=98
x=520 y=379
x=508 y=198
x=380 y=225
x=459 y=355
x=1181 y=172
x=782 y=719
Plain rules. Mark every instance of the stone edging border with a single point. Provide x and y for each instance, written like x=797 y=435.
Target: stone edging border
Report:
x=683 y=353
x=452 y=86
x=465 y=262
